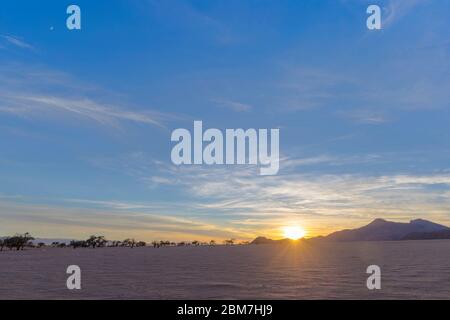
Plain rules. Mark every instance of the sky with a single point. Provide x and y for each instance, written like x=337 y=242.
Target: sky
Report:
x=86 y=116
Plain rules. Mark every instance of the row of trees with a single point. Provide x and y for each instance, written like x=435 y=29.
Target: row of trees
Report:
x=17 y=242
x=20 y=241
x=100 y=241
x=195 y=243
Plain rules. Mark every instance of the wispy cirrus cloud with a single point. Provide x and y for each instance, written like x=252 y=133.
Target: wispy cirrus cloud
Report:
x=115 y=223
x=403 y=85
x=38 y=93
x=233 y=105
x=83 y=107
x=321 y=201
x=17 y=42
x=233 y=201
x=188 y=17
x=397 y=9
x=337 y=198
x=365 y=116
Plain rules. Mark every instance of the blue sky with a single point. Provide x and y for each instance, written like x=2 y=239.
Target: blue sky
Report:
x=86 y=115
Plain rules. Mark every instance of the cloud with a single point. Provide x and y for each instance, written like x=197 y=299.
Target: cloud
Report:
x=189 y=18
x=290 y=164
x=234 y=192
x=161 y=180
x=397 y=9
x=84 y=107
x=233 y=201
x=233 y=105
x=236 y=186
x=116 y=205
x=365 y=116
x=36 y=93
x=17 y=42
x=80 y=222
x=307 y=88
x=237 y=194
x=396 y=86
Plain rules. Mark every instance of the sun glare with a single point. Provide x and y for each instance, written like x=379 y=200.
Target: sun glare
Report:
x=294 y=232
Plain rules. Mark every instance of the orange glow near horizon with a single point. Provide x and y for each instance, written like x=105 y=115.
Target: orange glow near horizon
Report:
x=294 y=232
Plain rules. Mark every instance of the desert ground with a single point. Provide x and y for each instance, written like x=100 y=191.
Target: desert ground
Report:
x=409 y=270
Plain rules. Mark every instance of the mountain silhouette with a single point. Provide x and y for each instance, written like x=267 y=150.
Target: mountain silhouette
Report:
x=442 y=234
x=380 y=229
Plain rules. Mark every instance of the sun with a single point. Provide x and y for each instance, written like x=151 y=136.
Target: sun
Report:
x=294 y=232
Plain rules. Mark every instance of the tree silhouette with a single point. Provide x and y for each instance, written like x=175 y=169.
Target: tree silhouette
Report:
x=229 y=242
x=76 y=244
x=18 y=241
x=101 y=241
x=129 y=243
x=92 y=241
x=141 y=244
